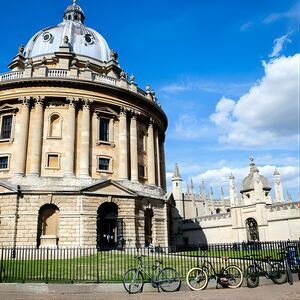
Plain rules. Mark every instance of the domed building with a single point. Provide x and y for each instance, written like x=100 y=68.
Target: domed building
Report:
x=81 y=146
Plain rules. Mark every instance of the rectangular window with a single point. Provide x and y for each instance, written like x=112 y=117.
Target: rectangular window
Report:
x=3 y=162
x=104 y=130
x=103 y=164
x=53 y=161
x=6 y=126
x=142 y=171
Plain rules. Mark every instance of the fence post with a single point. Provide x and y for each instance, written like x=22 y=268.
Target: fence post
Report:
x=1 y=270
x=97 y=265
x=47 y=262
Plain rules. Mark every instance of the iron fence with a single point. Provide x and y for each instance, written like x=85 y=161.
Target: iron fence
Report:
x=92 y=265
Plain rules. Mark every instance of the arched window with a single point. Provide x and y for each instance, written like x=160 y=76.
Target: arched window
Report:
x=252 y=230
x=55 y=126
x=148 y=226
x=218 y=210
x=48 y=224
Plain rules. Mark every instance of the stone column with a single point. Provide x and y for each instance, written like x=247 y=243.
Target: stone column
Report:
x=22 y=138
x=151 y=156
x=157 y=158
x=85 y=140
x=37 y=137
x=69 y=140
x=163 y=165
x=133 y=148
x=123 y=165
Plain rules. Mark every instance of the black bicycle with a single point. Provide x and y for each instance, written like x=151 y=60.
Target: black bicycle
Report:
x=165 y=278
x=266 y=267
x=287 y=267
x=230 y=276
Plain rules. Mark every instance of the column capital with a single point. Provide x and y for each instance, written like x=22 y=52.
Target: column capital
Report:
x=86 y=103
x=39 y=100
x=151 y=122
x=72 y=101
x=25 y=100
x=135 y=114
x=123 y=111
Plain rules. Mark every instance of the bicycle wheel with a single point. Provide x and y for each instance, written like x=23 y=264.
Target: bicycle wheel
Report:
x=234 y=275
x=252 y=277
x=197 y=279
x=279 y=275
x=168 y=280
x=133 y=281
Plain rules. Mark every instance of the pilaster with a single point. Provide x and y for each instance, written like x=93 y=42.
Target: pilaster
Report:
x=123 y=164
x=151 y=156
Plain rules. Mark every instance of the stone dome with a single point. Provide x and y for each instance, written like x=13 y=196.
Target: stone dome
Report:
x=83 y=40
x=248 y=182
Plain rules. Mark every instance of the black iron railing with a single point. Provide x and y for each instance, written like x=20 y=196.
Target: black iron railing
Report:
x=92 y=265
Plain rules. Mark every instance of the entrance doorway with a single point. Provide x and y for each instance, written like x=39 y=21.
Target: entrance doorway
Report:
x=148 y=226
x=109 y=227
x=252 y=230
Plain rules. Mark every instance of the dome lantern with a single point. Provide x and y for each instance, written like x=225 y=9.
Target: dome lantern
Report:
x=74 y=13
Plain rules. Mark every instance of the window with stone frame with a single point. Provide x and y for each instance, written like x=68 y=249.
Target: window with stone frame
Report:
x=104 y=129
x=6 y=126
x=104 y=164
x=4 y=162
x=142 y=171
x=105 y=125
x=55 y=126
x=142 y=141
x=53 y=161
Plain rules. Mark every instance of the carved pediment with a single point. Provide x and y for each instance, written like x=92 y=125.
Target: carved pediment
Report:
x=108 y=187
x=106 y=111
x=8 y=108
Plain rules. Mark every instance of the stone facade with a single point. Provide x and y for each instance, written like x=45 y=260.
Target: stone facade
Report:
x=198 y=218
x=81 y=146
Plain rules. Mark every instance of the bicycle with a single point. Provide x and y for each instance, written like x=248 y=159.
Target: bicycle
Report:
x=287 y=267
x=275 y=271
x=167 y=279
x=230 y=276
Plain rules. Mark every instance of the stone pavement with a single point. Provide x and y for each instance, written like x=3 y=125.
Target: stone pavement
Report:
x=267 y=290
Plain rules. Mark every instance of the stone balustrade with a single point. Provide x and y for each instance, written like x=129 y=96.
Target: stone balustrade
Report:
x=64 y=73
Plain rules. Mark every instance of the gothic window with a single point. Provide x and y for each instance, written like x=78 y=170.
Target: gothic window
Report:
x=4 y=162
x=104 y=130
x=6 y=126
x=53 y=161
x=55 y=126
x=252 y=230
x=104 y=164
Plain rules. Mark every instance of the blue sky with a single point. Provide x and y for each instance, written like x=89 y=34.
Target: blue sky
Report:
x=226 y=73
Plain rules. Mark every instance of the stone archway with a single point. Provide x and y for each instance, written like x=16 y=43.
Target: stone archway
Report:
x=109 y=227
x=252 y=230
x=48 y=225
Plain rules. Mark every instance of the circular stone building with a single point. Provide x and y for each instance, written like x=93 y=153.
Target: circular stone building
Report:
x=81 y=145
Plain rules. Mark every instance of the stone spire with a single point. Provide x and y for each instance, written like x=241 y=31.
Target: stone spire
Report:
x=278 y=187
x=191 y=187
x=177 y=190
x=232 y=191
x=203 y=191
x=176 y=174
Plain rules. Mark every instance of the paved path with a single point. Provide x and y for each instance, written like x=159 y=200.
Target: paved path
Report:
x=273 y=292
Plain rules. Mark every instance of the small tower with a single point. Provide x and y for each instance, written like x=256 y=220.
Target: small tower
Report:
x=177 y=190
x=278 y=187
x=232 y=191
x=203 y=191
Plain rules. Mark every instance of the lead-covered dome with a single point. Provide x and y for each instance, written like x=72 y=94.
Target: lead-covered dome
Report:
x=248 y=182
x=83 y=40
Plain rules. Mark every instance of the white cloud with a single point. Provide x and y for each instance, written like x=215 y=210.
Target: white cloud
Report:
x=246 y=26
x=293 y=13
x=267 y=116
x=231 y=88
x=278 y=45
x=188 y=127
